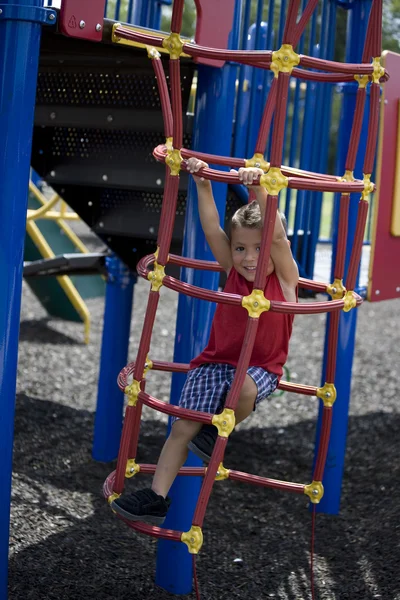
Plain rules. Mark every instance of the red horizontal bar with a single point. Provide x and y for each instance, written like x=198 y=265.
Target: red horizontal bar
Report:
x=319 y=185
x=297 y=488
x=335 y=67
x=176 y=411
x=137 y=36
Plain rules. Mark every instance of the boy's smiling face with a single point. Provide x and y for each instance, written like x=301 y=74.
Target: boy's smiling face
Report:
x=245 y=248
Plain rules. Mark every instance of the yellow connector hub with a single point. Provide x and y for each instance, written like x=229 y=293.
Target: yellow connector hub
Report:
x=156 y=277
x=349 y=301
x=336 y=289
x=131 y=468
x=257 y=161
x=274 y=181
x=327 y=393
x=284 y=59
x=222 y=473
x=113 y=497
x=132 y=391
x=174 y=160
x=148 y=365
x=174 y=45
x=362 y=80
x=193 y=539
x=152 y=53
x=378 y=71
x=224 y=422
x=314 y=491
x=368 y=187
x=256 y=303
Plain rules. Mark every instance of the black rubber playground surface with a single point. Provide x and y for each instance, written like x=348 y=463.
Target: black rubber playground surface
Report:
x=67 y=545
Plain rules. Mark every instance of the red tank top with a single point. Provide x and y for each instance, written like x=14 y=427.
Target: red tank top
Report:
x=227 y=330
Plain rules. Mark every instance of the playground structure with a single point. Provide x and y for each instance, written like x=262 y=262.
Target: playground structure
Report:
x=10 y=239
x=48 y=235
x=283 y=63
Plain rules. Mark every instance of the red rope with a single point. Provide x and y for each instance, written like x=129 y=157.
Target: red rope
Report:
x=196 y=583
x=313 y=519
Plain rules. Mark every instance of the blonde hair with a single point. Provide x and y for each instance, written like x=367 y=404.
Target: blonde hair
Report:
x=249 y=215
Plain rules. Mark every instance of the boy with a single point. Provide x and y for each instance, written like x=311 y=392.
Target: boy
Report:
x=212 y=372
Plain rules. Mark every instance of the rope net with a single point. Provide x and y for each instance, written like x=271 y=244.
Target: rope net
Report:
x=285 y=63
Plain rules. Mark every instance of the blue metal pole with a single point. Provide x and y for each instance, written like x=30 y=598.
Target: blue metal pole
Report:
x=212 y=133
x=333 y=475
x=114 y=356
x=20 y=30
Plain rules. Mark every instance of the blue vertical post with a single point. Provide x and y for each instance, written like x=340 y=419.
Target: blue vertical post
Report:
x=20 y=30
x=212 y=133
x=332 y=481
x=114 y=356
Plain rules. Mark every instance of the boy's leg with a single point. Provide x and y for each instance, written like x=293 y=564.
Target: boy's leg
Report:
x=173 y=455
x=203 y=444
x=247 y=399
x=151 y=505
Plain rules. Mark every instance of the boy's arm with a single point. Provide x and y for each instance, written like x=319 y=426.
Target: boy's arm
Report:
x=285 y=265
x=209 y=218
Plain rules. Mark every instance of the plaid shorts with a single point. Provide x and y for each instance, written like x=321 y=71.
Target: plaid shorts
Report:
x=207 y=386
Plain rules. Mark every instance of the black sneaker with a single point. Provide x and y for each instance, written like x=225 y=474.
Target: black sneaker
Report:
x=143 y=505
x=203 y=443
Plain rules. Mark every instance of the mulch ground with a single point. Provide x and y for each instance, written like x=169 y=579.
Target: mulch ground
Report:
x=66 y=544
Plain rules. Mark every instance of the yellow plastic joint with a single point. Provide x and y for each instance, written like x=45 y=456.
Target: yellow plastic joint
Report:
x=174 y=45
x=284 y=59
x=256 y=303
x=257 y=161
x=148 y=365
x=327 y=393
x=349 y=301
x=314 y=491
x=368 y=187
x=156 y=277
x=224 y=422
x=362 y=80
x=274 y=181
x=222 y=473
x=113 y=497
x=174 y=160
x=169 y=146
x=152 y=53
x=132 y=391
x=348 y=176
x=114 y=37
x=378 y=71
x=131 y=468
x=336 y=289
x=193 y=539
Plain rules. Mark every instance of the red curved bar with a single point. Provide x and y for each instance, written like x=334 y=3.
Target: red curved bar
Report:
x=176 y=411
x=342 y=236
x=147 y=330
x=137 y=36
x=335 y=67
x=255 y=56
x=164 y=96
x=302 y=23
x=197 y=292
x=279 y=120
x=127 y=430
x=176 y=98
x=373 y=36
x=177 y=14
x=266 y=119
x=356 y=129
x=357 y=245
x=325 y=186
x=274 y=484
x=243 y=363
x=290 y=24
x=333 y=334
x=167 y=217
x=323 y=444
x=266 y=242
x=298 y=388
x=372 y=128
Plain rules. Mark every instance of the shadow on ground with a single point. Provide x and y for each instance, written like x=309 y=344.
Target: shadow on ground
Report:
x=68 y=545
